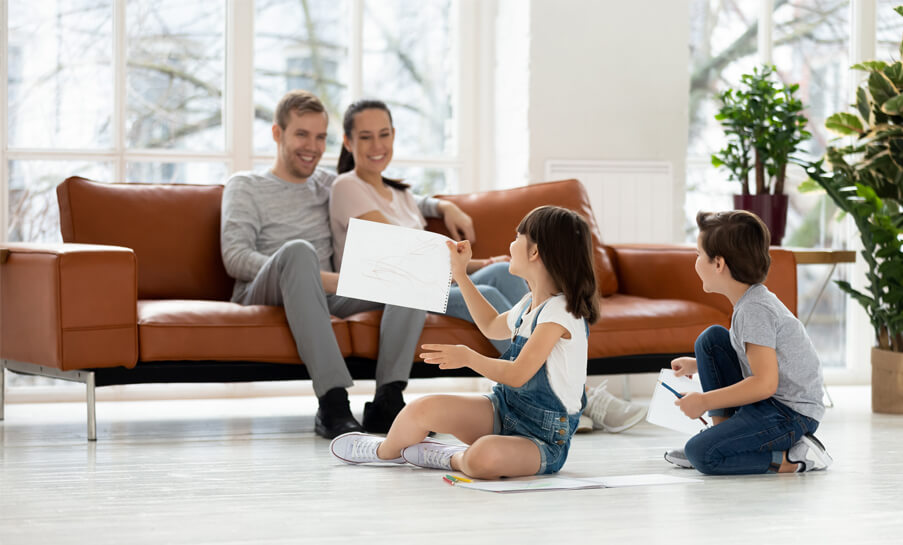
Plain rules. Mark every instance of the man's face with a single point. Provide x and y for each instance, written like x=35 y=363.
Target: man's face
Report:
x=301 y=144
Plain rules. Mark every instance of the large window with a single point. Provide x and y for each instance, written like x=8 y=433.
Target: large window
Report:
x=809 y=43
x=183 y=91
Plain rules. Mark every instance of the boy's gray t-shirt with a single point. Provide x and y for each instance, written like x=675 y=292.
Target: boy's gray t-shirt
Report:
x=761 y=318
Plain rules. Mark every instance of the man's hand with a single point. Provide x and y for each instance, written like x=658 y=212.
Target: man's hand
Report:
x=684 y=367
x=459 y=224
x=692 y=404
x=447 y=356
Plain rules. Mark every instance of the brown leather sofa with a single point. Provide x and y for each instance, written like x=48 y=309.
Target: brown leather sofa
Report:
x=138 y=293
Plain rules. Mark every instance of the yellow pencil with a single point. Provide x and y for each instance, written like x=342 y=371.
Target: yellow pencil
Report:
x=462 y=479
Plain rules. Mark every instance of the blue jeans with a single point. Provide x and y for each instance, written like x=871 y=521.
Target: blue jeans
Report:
x=498 y=286
x=754 y=437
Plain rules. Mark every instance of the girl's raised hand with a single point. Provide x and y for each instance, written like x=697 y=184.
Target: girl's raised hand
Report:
x=460 y=257
x=447 y=356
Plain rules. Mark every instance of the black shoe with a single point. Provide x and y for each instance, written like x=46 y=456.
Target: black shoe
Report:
x=334 y=415
x=381 y=412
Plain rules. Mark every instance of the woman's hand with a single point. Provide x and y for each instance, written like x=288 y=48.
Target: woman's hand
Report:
x=459 y=224
x=692 y=405
x=460 y=258
x=684 y=366
x=447 y=356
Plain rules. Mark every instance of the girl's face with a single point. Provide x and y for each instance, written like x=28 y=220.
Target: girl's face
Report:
x=371 y=141
x=520 y=250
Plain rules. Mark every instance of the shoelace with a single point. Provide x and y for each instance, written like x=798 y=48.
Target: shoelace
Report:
x=364 y=449
x=437 y=456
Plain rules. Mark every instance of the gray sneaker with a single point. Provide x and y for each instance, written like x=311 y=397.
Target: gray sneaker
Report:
x=431 y=454
x=810 y=454
x=359 y=448
x=679 y=458
x=610 y=413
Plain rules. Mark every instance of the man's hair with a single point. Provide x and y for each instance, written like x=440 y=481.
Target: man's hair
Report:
x=565 y=246
x=741 y=238
x=300 y=102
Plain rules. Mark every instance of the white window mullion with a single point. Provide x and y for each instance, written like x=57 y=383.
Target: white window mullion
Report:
x=120 y=43
x=238 y=104
x=766 y=24
x=356 y=51
x=466 y=45
x=4 y=129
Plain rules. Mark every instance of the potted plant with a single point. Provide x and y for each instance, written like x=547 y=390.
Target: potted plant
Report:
x=865 y=179
x=764 y=126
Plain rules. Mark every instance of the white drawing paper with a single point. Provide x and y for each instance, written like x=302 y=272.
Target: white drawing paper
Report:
x=662 y=410
x=558 y=482
x=396 y=266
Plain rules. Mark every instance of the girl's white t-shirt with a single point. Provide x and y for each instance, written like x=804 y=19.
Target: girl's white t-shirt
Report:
x=566 y=366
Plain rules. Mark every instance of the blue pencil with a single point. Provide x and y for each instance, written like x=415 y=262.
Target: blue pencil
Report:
x=680 y=395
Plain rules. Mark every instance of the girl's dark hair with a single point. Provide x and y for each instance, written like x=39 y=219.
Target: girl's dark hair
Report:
x=346 y=159
x=565 y=246
x=741 y=238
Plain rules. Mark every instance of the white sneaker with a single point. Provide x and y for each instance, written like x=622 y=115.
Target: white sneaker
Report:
x=810 y=454
x=359 y=448
x=679 y=458
x=585 y=425
x=610 y=413
x=431 y=454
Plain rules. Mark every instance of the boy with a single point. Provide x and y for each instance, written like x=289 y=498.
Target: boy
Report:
x=762 y=380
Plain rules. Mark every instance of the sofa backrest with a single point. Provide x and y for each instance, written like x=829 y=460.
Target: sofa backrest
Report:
x=173 y=230
x=496 y=215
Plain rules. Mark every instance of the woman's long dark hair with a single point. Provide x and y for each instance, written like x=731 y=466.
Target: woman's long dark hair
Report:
x=565 y=246
x=346 y=159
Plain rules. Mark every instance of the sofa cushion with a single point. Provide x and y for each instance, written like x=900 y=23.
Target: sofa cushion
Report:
x=172 y=330
x=496 y=215
x=173 y=230
x=637 y=325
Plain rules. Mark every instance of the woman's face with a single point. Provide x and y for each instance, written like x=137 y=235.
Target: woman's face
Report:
x=372 y=137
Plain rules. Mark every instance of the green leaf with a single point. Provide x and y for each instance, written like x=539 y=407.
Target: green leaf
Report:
x=809 y=186
x=881 y=88
x=894 y=73
x=844 y=124
x=869 y=66
x=893 y=106
x=862 y=104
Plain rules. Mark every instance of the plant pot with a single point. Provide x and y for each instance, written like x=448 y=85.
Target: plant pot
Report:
x=771 y=208
x=887 y=381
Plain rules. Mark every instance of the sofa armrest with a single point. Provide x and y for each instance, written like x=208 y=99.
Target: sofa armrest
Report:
x=68 y=306
x=668 y=272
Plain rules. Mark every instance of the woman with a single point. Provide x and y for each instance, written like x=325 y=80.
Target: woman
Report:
x=361 y=191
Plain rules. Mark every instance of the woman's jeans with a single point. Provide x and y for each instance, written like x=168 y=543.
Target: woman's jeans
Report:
x=498 y=286
x=754 y=437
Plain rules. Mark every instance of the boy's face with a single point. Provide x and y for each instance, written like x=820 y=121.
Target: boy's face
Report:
x=709 y=270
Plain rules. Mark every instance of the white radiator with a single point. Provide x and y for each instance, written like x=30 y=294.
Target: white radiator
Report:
x=633 y=200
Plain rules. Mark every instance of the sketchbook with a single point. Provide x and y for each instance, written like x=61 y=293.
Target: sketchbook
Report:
x=662 y=410
x=396 y=266
x=533 y=484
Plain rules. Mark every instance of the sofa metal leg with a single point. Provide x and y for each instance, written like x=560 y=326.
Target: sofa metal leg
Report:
x=2 y=386
x=86 y=377
x=92 y=422
x=625 y=388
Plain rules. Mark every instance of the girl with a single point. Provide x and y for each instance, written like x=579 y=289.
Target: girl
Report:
x=524 y=427
x=361 y=191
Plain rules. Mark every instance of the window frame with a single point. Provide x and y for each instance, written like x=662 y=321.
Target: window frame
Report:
x=238 y=109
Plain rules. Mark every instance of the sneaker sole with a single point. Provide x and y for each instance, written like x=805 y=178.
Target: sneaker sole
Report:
x=681 y=463
x=818 y=451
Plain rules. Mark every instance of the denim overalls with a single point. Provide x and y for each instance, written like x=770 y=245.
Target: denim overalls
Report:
x=533 y=410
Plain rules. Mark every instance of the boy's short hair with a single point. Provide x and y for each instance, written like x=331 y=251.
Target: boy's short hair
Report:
x=298 y=101
x=741 y=238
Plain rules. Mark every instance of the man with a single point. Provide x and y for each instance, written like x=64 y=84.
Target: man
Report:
x=277 y=245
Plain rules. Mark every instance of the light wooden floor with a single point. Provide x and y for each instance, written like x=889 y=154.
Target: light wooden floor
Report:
x=252 y=471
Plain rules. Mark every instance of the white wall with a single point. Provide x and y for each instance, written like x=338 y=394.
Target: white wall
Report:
x=609 y=80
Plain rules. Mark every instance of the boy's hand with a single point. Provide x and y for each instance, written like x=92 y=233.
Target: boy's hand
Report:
x=692 y=404
x=684 y=367
x=460 y=257
x=447 y=356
